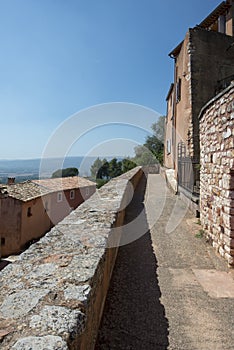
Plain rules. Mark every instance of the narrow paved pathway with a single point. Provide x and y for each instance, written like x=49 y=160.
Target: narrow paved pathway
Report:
x=169 y=289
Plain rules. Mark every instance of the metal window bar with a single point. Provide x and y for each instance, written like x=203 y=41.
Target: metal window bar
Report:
x=188 y=171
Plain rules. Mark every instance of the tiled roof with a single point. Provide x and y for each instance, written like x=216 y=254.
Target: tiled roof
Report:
x=64 y=183
x=28 y=190
x=220 y=10
x=25 y=191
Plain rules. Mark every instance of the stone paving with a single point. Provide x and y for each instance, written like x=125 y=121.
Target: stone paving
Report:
x=169 y=290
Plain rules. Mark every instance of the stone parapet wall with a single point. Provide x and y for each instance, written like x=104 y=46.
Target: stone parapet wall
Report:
x=53 y=296
x=217 y=172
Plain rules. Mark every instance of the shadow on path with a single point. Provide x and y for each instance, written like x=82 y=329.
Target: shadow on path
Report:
x=133 y=316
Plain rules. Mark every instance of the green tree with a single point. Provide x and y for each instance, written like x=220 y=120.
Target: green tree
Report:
x=115 y=168
x=159 y=128
x=128 y=164
x=144 y=156
x=95 y=167
x=65 y=172
x=152 y=150
x=154 y=145
x=101 y=182
x=103 y=171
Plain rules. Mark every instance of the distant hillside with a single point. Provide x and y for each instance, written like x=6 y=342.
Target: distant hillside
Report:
x=24 y=169
x=29 y=169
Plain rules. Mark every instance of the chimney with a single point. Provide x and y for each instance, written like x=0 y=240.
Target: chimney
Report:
x=10 y=180
x=3 y=192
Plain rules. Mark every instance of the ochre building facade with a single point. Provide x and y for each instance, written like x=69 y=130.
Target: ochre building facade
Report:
x=30 y=209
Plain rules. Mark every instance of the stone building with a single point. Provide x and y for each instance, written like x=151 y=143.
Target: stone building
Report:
x=217 y=172
x=203 y=66
x=29 y=209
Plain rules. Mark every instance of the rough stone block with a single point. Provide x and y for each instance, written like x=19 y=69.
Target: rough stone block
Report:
x=52 y=297
x=48 y=342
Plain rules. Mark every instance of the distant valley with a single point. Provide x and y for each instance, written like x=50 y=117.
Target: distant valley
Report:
x=26 y=169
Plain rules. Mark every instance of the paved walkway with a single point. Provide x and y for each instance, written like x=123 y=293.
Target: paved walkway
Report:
x=169 y=289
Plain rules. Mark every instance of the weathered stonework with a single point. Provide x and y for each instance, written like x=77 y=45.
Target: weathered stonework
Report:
x=203 y=64
x=217 y=172
x=52 y=297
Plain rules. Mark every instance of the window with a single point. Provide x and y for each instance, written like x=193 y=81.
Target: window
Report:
x=87 y=191
x=29 y=212
x=222 y=24
x=3 y=241
x=59 y=197
x=72 y=194
x=168 y=146
x=46 y=207
x=178 y=90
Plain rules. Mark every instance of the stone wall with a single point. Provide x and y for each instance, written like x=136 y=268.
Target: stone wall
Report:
x=52 y=297
x=212 y=60
x=217 y=172
x=203 y=61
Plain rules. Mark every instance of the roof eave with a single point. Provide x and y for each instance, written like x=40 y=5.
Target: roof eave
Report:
x=175 y=52
x=220 y=10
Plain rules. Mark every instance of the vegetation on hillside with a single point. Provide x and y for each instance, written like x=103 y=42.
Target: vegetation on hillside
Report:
x=102 y=170
x=151 y=152
x=65 y=172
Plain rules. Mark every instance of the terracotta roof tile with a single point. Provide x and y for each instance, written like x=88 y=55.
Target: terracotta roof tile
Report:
x=25 y=191
x=28 y=190
x=64 y=183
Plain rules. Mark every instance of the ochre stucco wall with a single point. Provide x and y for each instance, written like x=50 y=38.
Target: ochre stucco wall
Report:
x=58 y=210
x=38 y=223
x=10 y=225
x=19 y=228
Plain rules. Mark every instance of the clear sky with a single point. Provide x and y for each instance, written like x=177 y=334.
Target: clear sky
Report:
x=59 y=57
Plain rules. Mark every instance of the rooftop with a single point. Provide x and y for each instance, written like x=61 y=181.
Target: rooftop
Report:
x=25 y=191
x=64 y=183
x=220 y=10
x=28 y=190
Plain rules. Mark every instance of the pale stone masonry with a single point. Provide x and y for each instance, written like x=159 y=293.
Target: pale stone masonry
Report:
x=52 y=297
x=217 y=172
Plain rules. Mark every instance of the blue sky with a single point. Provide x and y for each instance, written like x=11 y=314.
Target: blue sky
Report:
x=59 y=57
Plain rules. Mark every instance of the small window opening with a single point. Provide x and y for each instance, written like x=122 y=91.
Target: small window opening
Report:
x=59 y=197
x=46 y=207
x=168 y=146
x=29 y=212
x=178 y=90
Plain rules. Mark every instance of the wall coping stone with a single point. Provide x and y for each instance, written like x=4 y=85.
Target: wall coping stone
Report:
x=47 y=294
x=214 y=99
